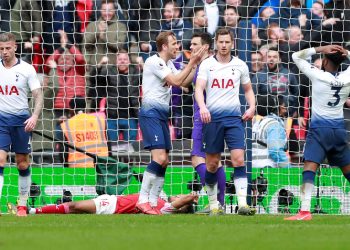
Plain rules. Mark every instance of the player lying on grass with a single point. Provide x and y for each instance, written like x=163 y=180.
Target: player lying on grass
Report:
x=115 y=204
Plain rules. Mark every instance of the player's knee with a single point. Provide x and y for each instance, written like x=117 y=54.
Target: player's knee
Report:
x=238 y=161
x=162 y=160
x=22 y=165
x=212 y=165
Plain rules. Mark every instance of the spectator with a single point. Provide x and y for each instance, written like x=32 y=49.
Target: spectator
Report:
x=120 y=84
x=275 y=34
x=200 y=24
x=277 y=80
x=269 y=133
x=257 y=62
x=26 y=25
x=105 y=36
x=231 y=19
x=84 y=131
x=67 y=73
x=256 y=41
x=211 y=8
x=172 y=22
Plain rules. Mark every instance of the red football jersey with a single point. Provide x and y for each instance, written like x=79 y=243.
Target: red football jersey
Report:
x=126 y=204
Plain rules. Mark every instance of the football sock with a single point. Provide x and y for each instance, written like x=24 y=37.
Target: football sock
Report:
x=24 y=182
x=51 y=209
x=155 y=190
x=211 y=183
x=1 y=179
x=221 y=185
x=201 y=169
x=147 y=180
x=157 y=183
x=306 y=190
x=241 y=185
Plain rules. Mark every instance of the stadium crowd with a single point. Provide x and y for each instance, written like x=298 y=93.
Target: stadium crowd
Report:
x=97 y=49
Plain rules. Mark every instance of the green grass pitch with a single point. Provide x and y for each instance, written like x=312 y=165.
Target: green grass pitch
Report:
x=50 y=232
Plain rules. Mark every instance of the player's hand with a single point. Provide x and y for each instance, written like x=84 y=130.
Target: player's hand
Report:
x=249 y=114
x=30 y=123
x=205 y=115
x=329 y=49
x=196 y=57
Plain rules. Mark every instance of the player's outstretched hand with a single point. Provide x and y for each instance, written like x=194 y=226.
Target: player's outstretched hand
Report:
x=196 y=56
x=249 y=114
x=329 y=49
x=30 y=123
x=205 y=115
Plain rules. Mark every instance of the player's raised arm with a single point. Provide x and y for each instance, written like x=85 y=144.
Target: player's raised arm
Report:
x=185 y=77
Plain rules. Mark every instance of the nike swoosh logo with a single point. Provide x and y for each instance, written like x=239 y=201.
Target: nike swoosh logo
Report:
x=303 y=217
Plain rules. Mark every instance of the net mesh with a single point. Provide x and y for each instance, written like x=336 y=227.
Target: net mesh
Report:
x=80 y=48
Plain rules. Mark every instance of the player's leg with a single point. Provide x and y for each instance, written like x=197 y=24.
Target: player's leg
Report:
x=213 y=145
x=156 y=138
x=22 y=147
x=24 y=182
x=211 y=179
x=3 y=157
x=314 y=154
x=198 y=162
x=5 y=142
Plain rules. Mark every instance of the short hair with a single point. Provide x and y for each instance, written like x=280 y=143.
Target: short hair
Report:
x=258 y=53
x=7 y=37
x=77 y=103
x=336 y=58
x=274 y=49
x=163 y=38
x=196 y=9
x=122 y=51
x=267 y=104
x=107 y=2
x=232 y=7
x=205 y=38
x=222 y=32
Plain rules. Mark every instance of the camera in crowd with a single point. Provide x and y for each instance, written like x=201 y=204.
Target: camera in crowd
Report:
x=194 y=185
x=66 y=197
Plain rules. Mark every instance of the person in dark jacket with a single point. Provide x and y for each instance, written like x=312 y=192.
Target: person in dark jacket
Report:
x=119 y=83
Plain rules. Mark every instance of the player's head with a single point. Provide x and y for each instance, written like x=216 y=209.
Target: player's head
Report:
x=224 y=42
x=166 y=42
x=273 y=59
x=8 y=46
x=200 y=39
x=77 y=103
x=269 y=104
x=331 y=61
x=184 y=203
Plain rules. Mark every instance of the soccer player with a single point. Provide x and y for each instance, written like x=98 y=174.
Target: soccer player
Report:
x=115 y=204
x=16 y=79
x=197 y=155
x=327 y=134
x=221 y=76
x=159 y=74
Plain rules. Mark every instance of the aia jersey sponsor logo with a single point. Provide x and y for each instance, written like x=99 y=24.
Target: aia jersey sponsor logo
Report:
x=8 y=90
x=222 y=83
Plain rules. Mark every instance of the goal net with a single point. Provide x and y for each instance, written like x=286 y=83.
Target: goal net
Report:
x=89 y=57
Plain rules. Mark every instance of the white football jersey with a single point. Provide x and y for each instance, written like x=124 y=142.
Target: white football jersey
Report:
x=223 y=83
x=156 y=92
x=329 y=92
x=15 y=84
